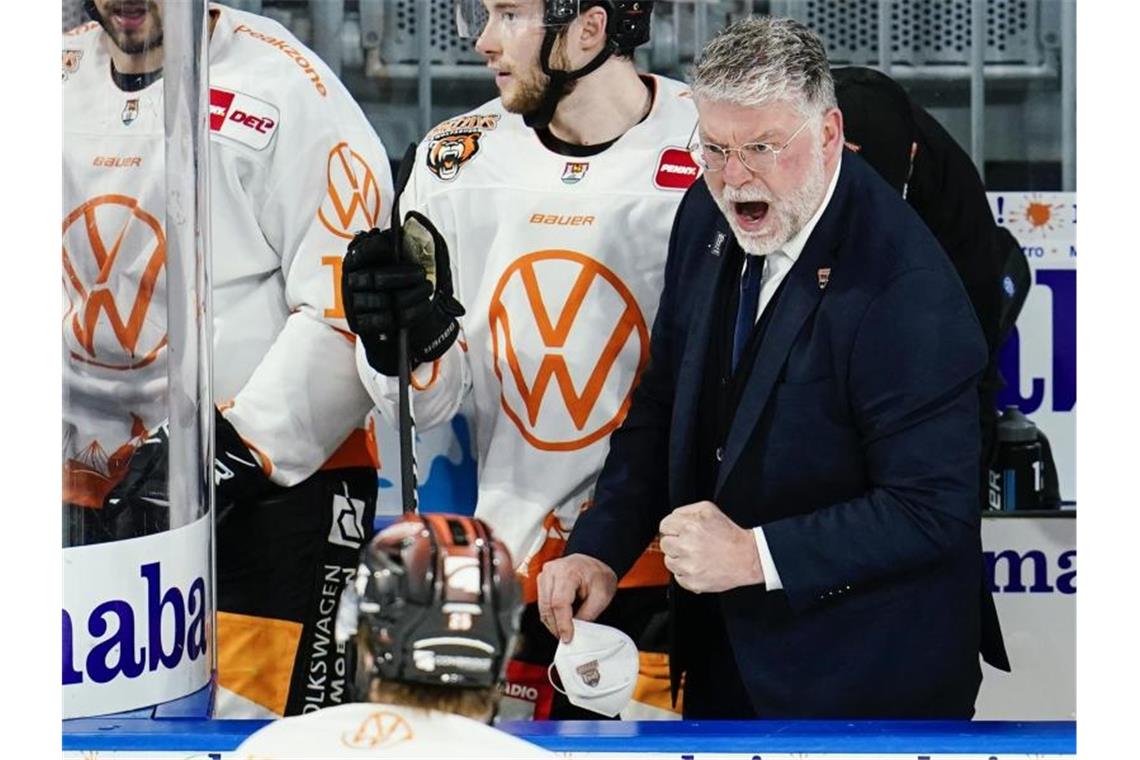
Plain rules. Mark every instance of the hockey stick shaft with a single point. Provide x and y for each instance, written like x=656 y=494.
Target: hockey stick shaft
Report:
x=410 y=498
x=407 y=423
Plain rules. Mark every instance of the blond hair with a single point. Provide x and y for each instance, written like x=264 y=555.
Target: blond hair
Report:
x=477 y=704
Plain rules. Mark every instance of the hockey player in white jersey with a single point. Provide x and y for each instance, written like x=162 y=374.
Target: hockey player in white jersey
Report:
x=295 y=169
x=433 y=613
x=555 y=203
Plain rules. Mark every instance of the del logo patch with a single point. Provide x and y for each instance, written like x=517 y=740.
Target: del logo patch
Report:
x=243 y=118
x=676 y=170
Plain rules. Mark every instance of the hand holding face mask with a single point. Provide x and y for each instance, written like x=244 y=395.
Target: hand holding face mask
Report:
x=598 y=668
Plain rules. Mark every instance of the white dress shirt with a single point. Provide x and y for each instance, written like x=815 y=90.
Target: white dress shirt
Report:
x=778 y=264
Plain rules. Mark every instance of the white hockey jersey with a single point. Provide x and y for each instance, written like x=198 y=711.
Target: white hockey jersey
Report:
x=378 y=730
x=295 y=169
x=559 y=262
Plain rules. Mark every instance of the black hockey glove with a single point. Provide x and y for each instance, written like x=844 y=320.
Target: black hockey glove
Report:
x=384 y=290
x=238 y=473
x=139 y=504
x=140 y=501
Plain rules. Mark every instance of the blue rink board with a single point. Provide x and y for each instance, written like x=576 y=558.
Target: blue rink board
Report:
x=867 y=737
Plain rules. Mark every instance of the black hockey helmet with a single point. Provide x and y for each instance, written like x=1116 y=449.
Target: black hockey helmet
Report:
x=627 y=26
x=627 y=21
x=437 y=601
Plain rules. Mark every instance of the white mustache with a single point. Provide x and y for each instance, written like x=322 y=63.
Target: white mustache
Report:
x=745 y=195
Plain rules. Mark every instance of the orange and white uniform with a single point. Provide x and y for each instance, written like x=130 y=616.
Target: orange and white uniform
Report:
x=559 y=262
x=295 y=168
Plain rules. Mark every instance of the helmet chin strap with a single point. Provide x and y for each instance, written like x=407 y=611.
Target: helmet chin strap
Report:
x=540 y=117
x=92 y=11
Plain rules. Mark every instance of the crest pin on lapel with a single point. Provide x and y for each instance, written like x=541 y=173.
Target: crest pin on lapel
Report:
x=823 y=274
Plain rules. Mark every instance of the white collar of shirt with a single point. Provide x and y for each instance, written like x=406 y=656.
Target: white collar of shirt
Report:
x=779 y=262
x=794 y=247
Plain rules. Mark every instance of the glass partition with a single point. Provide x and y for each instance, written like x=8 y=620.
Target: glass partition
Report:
x=137 y=416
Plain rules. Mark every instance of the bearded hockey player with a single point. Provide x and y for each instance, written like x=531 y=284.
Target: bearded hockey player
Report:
x=295 y=168
x=554 y=203
x=433 y=612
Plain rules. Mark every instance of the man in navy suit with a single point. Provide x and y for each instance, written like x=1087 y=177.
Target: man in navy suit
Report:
x=805 y=436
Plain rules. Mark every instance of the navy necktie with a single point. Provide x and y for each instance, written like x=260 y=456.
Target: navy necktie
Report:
x=749 y=304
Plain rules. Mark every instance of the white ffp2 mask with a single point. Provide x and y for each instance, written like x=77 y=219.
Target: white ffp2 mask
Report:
x=598 y=668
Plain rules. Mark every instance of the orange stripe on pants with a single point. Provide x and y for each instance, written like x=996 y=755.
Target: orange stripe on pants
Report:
x=653 y=683
x=256 y=656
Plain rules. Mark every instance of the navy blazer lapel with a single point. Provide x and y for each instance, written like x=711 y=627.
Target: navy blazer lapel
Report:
x=802 y=292
x=690 y=376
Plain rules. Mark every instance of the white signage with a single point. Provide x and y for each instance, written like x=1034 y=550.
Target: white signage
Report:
x=136 y=621
x=1032 y=570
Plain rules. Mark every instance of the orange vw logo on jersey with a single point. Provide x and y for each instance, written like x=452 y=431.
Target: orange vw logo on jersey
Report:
x=380 y=729
x=98 y=277
x=599 y=323
x=352 y=202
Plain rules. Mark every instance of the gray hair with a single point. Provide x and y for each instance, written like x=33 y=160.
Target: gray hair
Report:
x=756 y=61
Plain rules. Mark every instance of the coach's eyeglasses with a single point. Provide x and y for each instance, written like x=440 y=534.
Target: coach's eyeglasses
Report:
x=756 y=156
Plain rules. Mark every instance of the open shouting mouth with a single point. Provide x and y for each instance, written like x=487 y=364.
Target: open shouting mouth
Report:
x=750 y=215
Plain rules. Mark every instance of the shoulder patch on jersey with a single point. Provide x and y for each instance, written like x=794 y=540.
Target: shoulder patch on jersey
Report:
x=676 y=170
x=71 y=59
x=447 y=153
x=243 y=118
x=456 y=141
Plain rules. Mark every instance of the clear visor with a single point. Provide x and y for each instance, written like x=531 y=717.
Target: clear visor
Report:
x=473 y=17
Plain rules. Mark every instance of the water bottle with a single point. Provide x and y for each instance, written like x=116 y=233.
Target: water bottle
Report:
x=1016 y=479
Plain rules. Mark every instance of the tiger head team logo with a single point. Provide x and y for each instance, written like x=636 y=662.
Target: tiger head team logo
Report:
x=569 y=343
x=447 y=154
x=71 y=60
x=455 y=142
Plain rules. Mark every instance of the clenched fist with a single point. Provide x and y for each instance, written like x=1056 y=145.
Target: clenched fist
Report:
x=708 y=552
